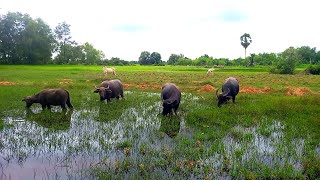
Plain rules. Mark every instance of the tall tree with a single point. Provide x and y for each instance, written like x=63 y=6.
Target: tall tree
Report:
x=144 y=58
x=92 y=55
x=37 y=42
x=63 y=38
x=287 y=61
x=308 y=54
x=11 y=27
x=155 y=58
x=24 y=40
x=245 y=42
x=174 y=58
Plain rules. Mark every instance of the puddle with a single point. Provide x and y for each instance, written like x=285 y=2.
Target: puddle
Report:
x=65 y=145
x=268 y=150
x=36 y=149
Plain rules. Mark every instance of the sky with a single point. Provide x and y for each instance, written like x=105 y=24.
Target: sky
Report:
x=125 y=28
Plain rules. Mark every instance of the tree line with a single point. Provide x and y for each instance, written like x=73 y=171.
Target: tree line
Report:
x=24 y=40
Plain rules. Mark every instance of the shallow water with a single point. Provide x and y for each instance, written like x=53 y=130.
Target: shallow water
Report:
x=38 y=150
x=66 y=145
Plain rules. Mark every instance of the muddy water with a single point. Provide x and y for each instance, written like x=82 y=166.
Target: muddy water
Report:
x=36 y=149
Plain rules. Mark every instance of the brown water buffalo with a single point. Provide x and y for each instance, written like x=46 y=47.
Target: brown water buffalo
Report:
x=48 y=97
x=230 y=89
x=170 y=97
x=110 y=89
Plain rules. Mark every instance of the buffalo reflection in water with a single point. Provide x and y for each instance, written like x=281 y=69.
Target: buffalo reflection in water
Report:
x=51 y=120
x=170 y=125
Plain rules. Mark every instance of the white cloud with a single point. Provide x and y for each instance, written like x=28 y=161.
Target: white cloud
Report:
x=125 y=28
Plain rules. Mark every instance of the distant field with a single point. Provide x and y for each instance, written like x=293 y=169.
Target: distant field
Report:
x=272 y=131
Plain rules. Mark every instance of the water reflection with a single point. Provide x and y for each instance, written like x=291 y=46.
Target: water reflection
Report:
x=50 y=119
x=170 y=125
x=62 y=145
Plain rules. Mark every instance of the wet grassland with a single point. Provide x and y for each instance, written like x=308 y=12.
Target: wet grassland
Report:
x=272 y=131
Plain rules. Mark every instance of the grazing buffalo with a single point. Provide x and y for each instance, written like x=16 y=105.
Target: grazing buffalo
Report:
x=48 y=97
x=110 y=89
x=230 y=89
x=170 y=96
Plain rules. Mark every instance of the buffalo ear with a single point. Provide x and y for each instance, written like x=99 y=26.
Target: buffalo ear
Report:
x=96 y=91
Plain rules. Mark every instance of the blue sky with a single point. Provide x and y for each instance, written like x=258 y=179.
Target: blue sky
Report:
x=125 y=28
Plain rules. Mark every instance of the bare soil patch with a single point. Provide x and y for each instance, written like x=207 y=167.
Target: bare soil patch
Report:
x=253 y=90
x=7 y=83
x=297 y=91
x=207 y=88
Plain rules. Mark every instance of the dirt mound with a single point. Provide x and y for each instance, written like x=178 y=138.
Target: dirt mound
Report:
x=207 y=88
x=253 y=90
x=156 y=87
x=126 y=86
x=297 y=91
x=7 y=83
x=143 y=87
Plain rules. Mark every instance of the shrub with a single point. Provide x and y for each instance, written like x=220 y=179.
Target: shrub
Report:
x=284 y=66
x=313 y=69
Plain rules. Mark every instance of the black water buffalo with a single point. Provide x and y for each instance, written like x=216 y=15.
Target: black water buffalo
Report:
x=230 y=89
x=170 y=97
x=48 y=97
x=110 y=89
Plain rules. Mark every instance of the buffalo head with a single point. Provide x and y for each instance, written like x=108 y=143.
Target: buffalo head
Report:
x=223 y=97
x=104 y=92
x=29 y=101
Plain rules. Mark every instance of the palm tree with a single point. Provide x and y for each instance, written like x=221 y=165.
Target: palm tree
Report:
x=245 y=42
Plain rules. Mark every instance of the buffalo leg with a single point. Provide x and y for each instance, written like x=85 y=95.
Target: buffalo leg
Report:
x=63 y=106
x=48 y=106
x=233 y=99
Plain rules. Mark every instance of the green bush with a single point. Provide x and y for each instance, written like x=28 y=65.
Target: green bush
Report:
x=284 y=66
x=315 y=69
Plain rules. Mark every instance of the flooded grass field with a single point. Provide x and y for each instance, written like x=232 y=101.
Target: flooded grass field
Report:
x=263 y=135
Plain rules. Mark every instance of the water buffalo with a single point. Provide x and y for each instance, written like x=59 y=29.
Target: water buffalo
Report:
x=230 y=89
x=48 y=97
x=110 y=89
x=170 y=97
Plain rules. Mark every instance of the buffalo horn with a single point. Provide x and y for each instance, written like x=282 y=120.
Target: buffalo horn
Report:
x=226 y=92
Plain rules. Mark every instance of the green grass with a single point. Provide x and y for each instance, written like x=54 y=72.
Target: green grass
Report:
x=201 y=141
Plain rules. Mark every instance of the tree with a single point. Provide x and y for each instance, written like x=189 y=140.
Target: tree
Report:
x=144 y=58
x=245 y=42
x=37 y=42
x=184 y=61
x=63 y=38
x=92 y=55
x=174 y=58
x=11 y=27
x=24 y=40
x=155 y=58
x=308 y=55
x=287 y=61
